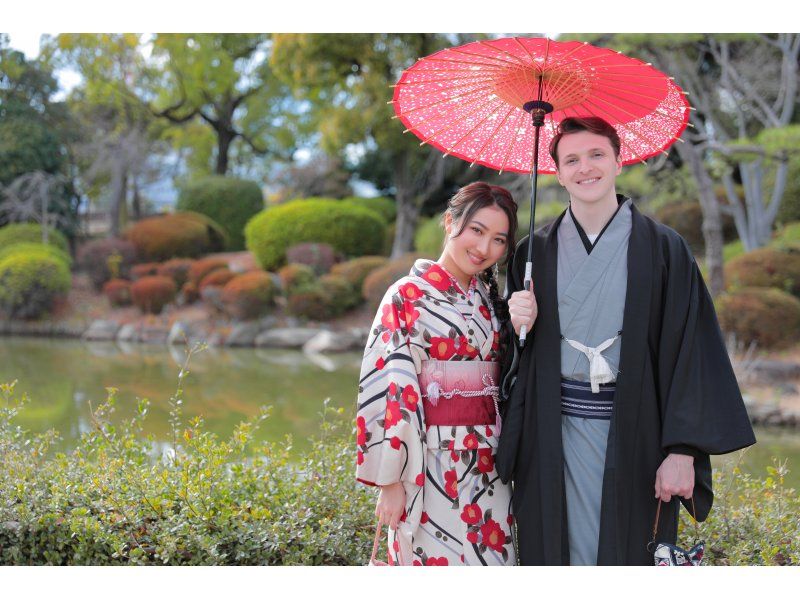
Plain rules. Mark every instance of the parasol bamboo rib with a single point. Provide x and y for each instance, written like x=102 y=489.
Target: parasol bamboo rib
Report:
x=446 y=80
x=504 y=61
x=517 y=137
x=465 y=62
x=455 y=123
x=448 y=99
x=489 y=139
x=519 y=60
x=635 y=117
x=468 y=133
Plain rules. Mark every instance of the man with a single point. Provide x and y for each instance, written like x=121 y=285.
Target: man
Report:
x=624 y=387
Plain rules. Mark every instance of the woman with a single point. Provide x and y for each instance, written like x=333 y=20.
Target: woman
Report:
x=427 y=419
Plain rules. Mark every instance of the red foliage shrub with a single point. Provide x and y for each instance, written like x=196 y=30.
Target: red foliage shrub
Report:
x=93 y=258
x=202 y=267
x=182 y=234
x=151 y=293
x=320 y=256
x=216 y=278
x=770 y=317
x=118 y=292
x=249 y=295
x=141 y=270
x=177 y=269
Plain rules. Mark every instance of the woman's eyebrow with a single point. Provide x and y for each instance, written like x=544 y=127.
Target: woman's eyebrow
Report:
x=481 y=224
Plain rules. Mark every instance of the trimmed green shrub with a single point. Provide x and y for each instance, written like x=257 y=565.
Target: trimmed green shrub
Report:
x=230 y=202
x=380 y=279
x=99 y=258
x=30 y=283
x=36 y=249
x=311 y=302
x=249 y=295
x=343 y=295
x=429 y=238
x=151 y=293
x=383 y=206
x=765 y=267
x=356 y=270
x=768 y=317
x=118 y=292
x=294 y=276
x=320 y=256
x=183 y=234
x=30 y=232
x=787 y=235
x=351 y=230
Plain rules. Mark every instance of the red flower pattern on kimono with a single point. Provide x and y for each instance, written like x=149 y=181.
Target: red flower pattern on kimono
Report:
x=361 y=436
x=410 y=291
x=393 y=415
x=438 y=278
x=471 y=514
x=390 y=319
x=442 y=348
x=492 y=535
x=485 y=460
x=424 y=316
x=470 y=441
x=451 y=483
x=437 y=562
x=410 y=397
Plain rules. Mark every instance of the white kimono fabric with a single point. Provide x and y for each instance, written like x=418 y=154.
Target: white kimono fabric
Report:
x=591 y=301
x=458 y=512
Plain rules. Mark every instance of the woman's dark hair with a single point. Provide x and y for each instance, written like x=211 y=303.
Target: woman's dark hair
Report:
x=462 y=207
x=592 y=124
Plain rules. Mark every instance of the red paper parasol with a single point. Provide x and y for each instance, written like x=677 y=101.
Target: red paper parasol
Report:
x=477 y=101
x=468 y=101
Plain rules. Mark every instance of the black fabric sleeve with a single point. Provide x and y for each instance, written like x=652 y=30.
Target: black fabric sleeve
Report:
x=702 y=407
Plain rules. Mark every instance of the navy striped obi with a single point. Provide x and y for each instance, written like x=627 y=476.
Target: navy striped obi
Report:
x=578 y=400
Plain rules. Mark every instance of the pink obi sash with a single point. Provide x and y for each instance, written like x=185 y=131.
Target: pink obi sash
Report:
x=460 y=393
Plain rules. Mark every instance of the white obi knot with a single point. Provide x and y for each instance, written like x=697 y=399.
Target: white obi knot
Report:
x=599 y=370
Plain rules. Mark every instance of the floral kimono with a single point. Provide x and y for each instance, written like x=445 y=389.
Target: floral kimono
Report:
x=457 y=509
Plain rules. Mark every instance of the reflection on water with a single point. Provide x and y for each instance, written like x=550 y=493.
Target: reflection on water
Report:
x=225 y=386
x=63 y=378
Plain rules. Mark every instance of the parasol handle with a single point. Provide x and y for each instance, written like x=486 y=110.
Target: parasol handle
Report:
x=527 y=285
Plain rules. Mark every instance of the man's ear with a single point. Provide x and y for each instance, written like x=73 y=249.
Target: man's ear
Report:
x=619 y=165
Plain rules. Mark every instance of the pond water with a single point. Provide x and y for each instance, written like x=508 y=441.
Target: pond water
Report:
x=63 y=378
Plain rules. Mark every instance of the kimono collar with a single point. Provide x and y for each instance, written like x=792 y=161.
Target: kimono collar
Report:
x=439 y=278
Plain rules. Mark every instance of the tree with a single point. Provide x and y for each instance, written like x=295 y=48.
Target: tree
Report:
x=739 y=85
x=225 y=81
x=118 y=131
x=35 y=132
x=346 y=78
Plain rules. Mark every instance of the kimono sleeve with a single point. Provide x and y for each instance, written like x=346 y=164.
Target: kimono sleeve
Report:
x=389 y=420
x=702 y=407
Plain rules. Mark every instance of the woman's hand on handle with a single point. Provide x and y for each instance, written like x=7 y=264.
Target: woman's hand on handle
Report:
x=391 y=504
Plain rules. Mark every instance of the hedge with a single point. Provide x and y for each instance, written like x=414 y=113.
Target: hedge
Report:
x=357 y=269
x=768 y=317
x=30 y=283
x=383 y=206
x=183 y=234
x=231 y=501
x=151 y=293
x=351 y=230
x=26 y=248
x=29 y=232
x=772 y=267
x=228 y=201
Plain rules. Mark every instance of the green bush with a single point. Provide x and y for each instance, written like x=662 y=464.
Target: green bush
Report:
x=30 y=283
x=311 y=302
x=294 y=276
x=351 y=230
x=766 y=267
x=768 y=317
x=429 y=238
x=230 y=202
x=343 y=295
x=208 y=501
x=29 y=232
x=36 y=249
x=183 y=234
x=383 y=206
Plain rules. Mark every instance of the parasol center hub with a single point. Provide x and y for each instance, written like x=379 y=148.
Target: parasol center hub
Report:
x=538 y=109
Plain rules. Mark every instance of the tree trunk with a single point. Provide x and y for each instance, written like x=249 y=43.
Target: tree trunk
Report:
x=224 y=139
x=407 y=209
x=119 y=195
x=136 y=201
x=712 y=216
